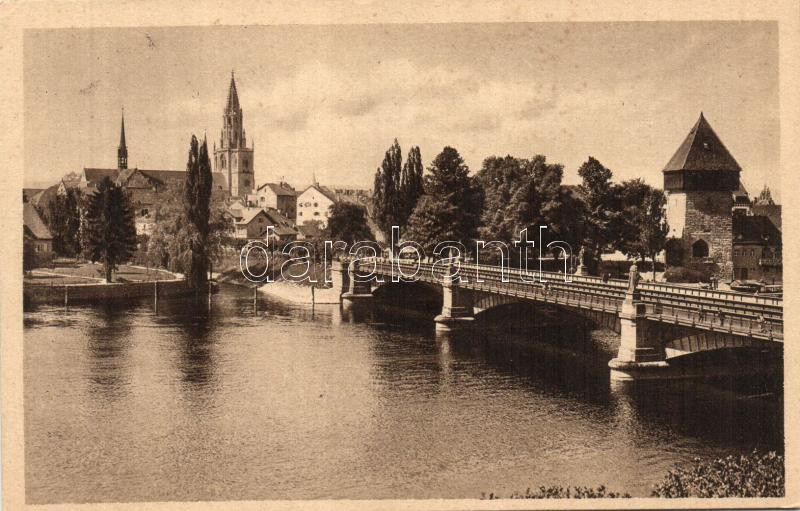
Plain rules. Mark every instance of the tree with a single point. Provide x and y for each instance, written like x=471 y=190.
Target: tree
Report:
x=386 y=190
x=168 y=244
x=220 y=233
x=64 y=221
x=642 y=224
x=598 y=195
x=197 y=199
x=348 y=222
x=451 y=207
x=411 y=186
x=525 y=194
x=110 y=230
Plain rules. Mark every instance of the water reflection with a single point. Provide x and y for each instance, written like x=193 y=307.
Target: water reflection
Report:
x=108 y=341
x=365 y=402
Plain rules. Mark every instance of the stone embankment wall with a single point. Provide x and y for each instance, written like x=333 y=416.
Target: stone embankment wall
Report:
x=98 y=292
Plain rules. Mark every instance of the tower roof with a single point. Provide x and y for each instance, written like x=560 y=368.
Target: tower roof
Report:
x=122 y=133
x=233 y=97
x=702 y=150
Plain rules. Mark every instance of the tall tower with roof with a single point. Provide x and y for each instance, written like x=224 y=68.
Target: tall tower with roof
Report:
x=122 y=149
x=232 y=157
x=699 y=182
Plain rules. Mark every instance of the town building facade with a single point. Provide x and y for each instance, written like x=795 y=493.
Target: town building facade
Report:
x=313 y=205
x=279 y=196
x=757 y=241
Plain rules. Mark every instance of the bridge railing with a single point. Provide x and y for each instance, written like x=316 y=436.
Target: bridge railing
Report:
x=482 y=269
x=667 y=303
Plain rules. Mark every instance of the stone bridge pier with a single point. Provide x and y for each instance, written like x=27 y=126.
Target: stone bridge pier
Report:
x=641 y=352
x=340 y=277
x=353 y=286
x=658 y=324
x=457 y=307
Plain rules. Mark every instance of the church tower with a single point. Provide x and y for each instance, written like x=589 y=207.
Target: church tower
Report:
x=233 y=158
x=122 y=149
x=699 y=182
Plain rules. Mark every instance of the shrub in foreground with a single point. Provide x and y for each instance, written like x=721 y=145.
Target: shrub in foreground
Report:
x=561 y=492
x=747 y=475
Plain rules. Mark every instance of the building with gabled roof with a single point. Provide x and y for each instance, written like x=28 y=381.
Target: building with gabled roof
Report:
x=35 y=230
x=253 y=223
x=757 y=249
x=313 y=204
x=280 y=196
x=146 y=187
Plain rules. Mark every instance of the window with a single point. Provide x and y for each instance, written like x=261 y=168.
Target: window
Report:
x=300 y=214
x=222 y=161
x=316 y=213
x=247 y=182
x=315 y=204
x=699 y=249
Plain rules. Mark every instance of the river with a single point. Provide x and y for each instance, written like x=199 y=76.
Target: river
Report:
x=277 y=401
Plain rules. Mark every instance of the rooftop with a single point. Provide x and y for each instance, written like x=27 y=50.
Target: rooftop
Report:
x=33 y=223
x=702 y=150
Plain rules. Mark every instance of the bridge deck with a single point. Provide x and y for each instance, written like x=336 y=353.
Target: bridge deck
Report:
x=717 y=311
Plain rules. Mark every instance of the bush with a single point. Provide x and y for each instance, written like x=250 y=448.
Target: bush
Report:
x=747 y=475
x=692 y=273
x=561 y=492
x=682 y=274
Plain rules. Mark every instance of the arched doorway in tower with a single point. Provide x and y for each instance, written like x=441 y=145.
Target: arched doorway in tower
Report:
x=699 y=249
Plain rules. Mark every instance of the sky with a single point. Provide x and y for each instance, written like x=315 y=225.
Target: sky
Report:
x=328 y=100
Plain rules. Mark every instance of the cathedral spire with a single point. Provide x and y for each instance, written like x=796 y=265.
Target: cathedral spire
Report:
x=122 y=149
x=232 y=157
x=233 y=97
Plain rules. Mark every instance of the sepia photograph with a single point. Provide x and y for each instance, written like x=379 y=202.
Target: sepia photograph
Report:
x=402 y=261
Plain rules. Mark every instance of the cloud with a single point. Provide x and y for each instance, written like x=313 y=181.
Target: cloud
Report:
x=319 y=116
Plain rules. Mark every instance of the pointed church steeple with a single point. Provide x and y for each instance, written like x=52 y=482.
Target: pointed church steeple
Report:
x=122 y=149
x=233 y=97
x=232 y=156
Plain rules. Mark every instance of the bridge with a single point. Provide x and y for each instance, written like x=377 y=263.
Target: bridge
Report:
x=656 y=322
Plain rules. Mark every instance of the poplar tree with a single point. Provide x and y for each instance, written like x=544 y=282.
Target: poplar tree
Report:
x=411 y=185
x=197 y=207
x=386 y=198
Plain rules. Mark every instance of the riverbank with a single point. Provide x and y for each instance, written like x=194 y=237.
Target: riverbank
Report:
x=295 y=293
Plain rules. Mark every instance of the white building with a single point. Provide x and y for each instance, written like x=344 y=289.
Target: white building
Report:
x=314 y=205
